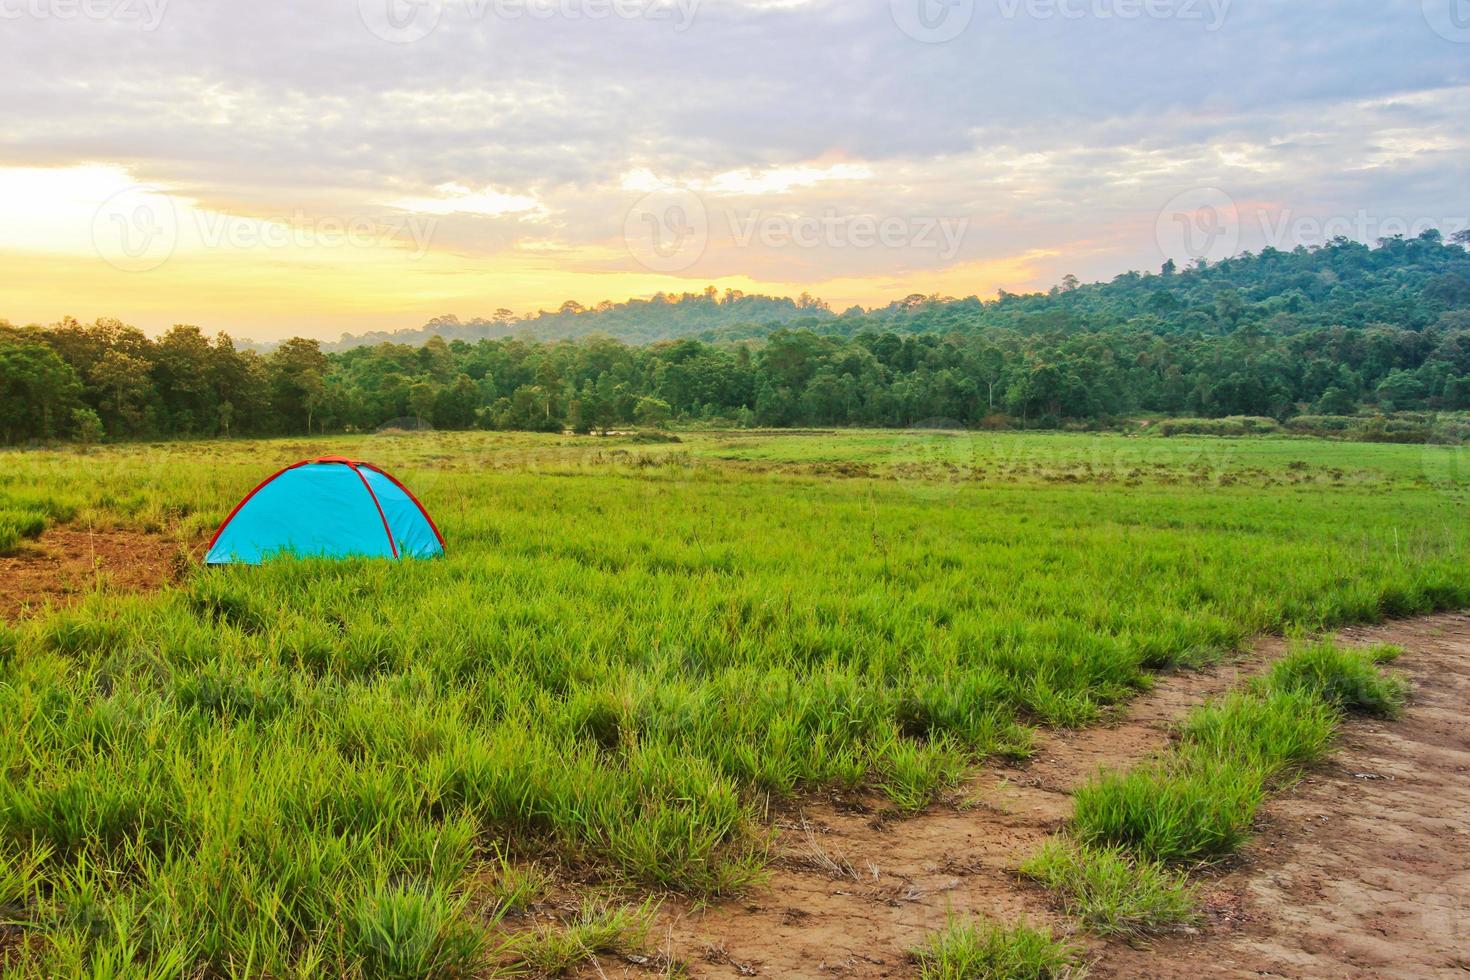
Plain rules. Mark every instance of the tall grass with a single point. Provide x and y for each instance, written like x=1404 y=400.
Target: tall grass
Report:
x=598 y=928
x=1198 y=801
x=25 y=516
x=1111 y=891
x=978 y=950
x=1348 y=680
x=626 y=652
x=1115 y=868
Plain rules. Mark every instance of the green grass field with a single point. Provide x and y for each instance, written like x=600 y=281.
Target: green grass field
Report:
x=632 y=647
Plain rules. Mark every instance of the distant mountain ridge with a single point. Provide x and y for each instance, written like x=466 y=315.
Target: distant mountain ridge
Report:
x=1401 y=281
x=636 y=321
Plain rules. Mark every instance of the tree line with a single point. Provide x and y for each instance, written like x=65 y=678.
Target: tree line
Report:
x=1333 y=330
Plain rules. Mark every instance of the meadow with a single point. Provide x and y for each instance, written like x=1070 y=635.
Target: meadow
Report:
x=636 y=651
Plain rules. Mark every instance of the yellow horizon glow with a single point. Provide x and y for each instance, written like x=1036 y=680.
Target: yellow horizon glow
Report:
x=266 y=280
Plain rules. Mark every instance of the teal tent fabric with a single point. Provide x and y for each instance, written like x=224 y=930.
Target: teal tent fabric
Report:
x=413 y=532
x=332 y=507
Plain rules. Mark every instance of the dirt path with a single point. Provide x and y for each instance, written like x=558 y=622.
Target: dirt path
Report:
x=1351 y=875
x=66 y=562
x=1363 y=870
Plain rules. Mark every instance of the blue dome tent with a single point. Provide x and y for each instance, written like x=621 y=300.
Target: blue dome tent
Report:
x=332 y=506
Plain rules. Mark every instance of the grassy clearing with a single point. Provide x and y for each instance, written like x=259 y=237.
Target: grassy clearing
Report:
x=978 y=950
x=628 y=649
x=1199 y=801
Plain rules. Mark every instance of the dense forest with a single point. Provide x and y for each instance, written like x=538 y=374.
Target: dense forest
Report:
x=637 y=321
x=1336 y=330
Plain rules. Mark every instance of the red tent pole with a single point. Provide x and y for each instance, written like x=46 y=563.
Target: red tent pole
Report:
x=368 y=487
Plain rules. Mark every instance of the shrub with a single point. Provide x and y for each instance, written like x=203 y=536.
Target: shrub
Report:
x=16 y=525
x=653 y=436
x=1236 y=425
x=1321 y=425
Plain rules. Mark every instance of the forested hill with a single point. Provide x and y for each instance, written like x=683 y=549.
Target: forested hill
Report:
x=1345 y=331
x=1406 y=283
x=637 y=321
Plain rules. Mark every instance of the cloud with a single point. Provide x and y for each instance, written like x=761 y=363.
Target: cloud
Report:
x=458 y=199
x=1055 y=128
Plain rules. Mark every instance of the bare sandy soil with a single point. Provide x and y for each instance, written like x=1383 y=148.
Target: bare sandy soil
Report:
x=1362 y=869
x=66 y=562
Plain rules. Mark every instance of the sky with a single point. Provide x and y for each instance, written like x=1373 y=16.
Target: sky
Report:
x=316 y=167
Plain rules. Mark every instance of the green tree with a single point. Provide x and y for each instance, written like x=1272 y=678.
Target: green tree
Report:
x=124 y=386
x=1399 y=391
x=654 y=412
x=297 y=370
x=183 y=364
x=87 y=426
x=39 y=392
x=422 y=398
x=1335 y=401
